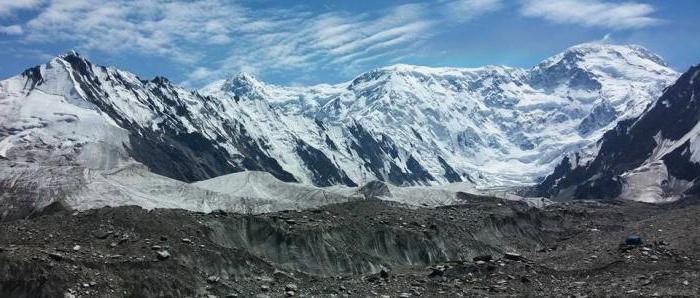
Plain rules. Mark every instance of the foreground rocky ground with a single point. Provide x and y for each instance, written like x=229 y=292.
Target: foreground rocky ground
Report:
x=360 y=249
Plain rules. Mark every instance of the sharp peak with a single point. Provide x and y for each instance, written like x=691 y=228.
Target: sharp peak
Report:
x=244 y=76
x=74 y=59
x=71 y=54
x=161 y=80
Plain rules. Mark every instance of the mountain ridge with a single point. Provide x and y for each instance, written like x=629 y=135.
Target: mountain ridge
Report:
x=651 y=158
x=482 y=125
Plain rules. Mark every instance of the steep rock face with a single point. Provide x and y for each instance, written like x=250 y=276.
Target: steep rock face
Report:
x=652 y=158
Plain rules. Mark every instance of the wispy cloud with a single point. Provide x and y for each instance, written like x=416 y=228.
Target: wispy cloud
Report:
x=465 y=10
x=8 y=7
x=11 y=30
x=592 y=13
x=214 y=37
x=156 y=28
x=346 y=42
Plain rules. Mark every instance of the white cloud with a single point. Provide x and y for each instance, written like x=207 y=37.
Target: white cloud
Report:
x=7 y=7
x=592 y=13
x=216 y=37
x=177 y=30
x=11 y=30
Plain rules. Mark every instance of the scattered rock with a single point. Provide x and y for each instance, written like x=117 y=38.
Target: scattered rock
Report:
x=633 y=240
x=291 y=287
x=437 y=271
x=213 y=279
x=290 y=293
x=56 y=256
x=384 y=274
x=76 y=248
x=102 y=234
x=162 y=255
x=485 y=258
x=264 y=288
x=186 y=240
x=513 y=256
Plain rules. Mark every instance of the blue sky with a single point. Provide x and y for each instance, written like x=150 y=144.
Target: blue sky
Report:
x=314 y=41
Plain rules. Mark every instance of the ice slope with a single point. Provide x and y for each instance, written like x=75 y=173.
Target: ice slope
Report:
x=26 y=188
x=432 y=196
x=262 y=185
x=492 y=125
x=649 y=158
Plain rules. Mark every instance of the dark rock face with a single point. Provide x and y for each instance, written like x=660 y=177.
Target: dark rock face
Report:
x=375 y=189
x=450 y=174
x=378 y=152
x=187 y=157
x=603 y=114
x=632 y=142
x=325 y=172
x=567 y=72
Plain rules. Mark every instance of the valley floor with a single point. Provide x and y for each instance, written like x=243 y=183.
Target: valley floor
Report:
x=363 y=248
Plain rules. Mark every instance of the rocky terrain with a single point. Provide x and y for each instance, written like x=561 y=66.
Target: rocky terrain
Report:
x=367 y=248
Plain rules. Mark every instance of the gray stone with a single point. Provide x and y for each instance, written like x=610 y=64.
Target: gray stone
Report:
x=163 y=255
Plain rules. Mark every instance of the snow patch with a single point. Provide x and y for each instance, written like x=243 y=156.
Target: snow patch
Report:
x=652 y=183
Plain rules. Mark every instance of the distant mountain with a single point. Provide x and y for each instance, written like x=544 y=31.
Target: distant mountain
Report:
x=407 y=125
x=493 y=125
x=654 y=157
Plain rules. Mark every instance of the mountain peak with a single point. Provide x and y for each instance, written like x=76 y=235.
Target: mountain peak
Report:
x=244 y=84
x=594 y=51
x=69 y=54
x=72 y=57
x=585 y=65
x=245 y=77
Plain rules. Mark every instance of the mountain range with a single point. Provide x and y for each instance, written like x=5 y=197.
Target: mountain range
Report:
x=403 y=124
x=596 y=121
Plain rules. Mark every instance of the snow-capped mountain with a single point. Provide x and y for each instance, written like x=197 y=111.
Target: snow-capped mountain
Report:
x=654 y=157
x=493 y=125
x=70 y=111
x=407 y=125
